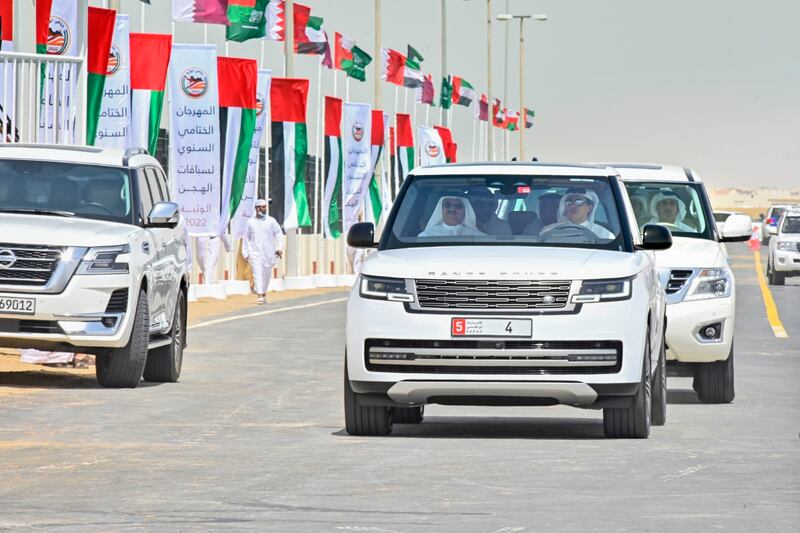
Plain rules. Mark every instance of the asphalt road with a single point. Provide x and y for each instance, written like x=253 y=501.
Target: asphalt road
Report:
x=252 y=438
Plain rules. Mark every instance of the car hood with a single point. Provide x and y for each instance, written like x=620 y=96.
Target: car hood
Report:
x=502 y=262
x=789 y=237
x=687 y=252
x=62 y=231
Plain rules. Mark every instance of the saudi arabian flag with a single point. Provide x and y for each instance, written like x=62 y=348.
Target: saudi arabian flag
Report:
x=101 y=32
x=246 y=20
x=331 y=202
x=405 y=144
x=446 y=98
x=150 y=55
x=289 y=152
x=529 y=115
x=237 y=117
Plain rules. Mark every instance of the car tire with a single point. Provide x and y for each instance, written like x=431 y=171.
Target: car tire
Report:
x=364 y=420
x=164 y=363
x=123 y=367
x=658 y=415
x=408 y=415
x=775 y=278
x=715 y=381
x=632 y=422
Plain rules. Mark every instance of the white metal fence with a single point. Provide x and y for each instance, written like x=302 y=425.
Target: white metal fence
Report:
x=41 y=99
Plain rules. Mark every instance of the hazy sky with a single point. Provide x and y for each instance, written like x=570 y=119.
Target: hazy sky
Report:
x=711 y=84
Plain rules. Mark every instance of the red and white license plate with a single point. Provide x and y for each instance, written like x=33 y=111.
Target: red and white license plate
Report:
x=491 y=327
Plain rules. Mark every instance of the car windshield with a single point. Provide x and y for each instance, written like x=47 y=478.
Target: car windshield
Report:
x=506 y=210
x=674 y=205
x=775 y=214
x=69 y=189
x=791 y=225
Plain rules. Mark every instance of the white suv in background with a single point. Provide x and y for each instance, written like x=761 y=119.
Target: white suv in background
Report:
x=507 y=284
x=93 y=259
x=701 y=293
x=784 y=249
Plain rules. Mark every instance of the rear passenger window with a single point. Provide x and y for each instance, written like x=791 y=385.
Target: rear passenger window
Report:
x=162 y=180
x=155 y=186
x=144 y=191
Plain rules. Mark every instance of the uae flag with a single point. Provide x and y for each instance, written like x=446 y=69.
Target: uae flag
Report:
x=6 y=25
x=413 y=77
x=246 y=20
x=405 y=144
x=446 y=97
x=237 y=117
x=101 y=32
x=378 y=138
x=463 y=93
x=207 y=11
x=289 y=152
x=150 y=54
x=529 y=114
x=450 y=148
x=332 y=206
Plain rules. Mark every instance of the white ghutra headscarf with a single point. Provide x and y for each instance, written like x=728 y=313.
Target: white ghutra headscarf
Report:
x=589 y=223
x=437 y=227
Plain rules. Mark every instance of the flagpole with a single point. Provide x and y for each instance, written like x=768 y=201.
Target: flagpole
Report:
x=347 y=88
x=336 y=83
x=317 y=144
x=396 y=157
x=474 y=136
x=405 y=99
x=141 y=19
x=427 y=115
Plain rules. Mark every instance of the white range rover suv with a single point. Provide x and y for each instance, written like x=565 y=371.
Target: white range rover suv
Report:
x=507 y=284
x=784 y=249
x=93 y=259
x=700 y=287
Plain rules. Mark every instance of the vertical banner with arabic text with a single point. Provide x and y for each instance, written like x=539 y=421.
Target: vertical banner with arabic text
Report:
x=57 y=102
x=114 y=126
x=357 y=169
x=246 y=208
x=194 y=136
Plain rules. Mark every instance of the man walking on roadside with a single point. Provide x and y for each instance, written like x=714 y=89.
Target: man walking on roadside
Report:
x=262 y=246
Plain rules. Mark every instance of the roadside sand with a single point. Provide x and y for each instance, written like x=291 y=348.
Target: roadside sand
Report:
x=24 y=378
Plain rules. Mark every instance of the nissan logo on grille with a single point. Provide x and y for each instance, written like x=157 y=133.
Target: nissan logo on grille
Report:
x=7 y=259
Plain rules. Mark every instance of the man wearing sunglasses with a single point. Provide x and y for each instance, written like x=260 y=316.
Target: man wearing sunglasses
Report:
x=578 y=207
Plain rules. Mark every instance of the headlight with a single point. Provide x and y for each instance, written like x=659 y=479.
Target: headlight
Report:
x=391 y=289
x=787 y=246
x=603 y=290
x=104 y=260
x=710 y=283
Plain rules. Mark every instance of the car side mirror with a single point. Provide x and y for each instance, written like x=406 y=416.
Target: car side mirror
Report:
x=738 y=228
x=362 y=235
x=164 y=215
x=656 y=237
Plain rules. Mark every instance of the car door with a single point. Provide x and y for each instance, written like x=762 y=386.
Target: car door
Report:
x=174 y=248
x=159 y=319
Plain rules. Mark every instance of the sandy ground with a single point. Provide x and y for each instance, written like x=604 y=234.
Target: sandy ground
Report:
x=24 y=378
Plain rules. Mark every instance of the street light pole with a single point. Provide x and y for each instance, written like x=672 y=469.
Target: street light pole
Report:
x=443 y=115
x=522 y=118
x=490 y=136
x=377 y=98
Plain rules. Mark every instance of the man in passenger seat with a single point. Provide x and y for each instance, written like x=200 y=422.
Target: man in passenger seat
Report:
x=485 y=205
x=548 y=213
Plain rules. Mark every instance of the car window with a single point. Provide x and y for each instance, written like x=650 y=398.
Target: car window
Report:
x=86 y=191
x=162 y=180
x=721 y=217
x=791 y=225
x=155 y=187
x=674 y=205
x=146 y=194
x=507 y=210
x=775 y=214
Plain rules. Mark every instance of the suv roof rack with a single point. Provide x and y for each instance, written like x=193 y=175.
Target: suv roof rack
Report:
x=130 y=152
x=71 y=147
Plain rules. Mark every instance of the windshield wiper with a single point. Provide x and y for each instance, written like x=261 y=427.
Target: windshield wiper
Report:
x=40 y=212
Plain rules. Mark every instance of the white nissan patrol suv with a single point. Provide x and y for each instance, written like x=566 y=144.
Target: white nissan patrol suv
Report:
x=92 y=259
x=784 y=249
x=701 y=294
x=507 y=284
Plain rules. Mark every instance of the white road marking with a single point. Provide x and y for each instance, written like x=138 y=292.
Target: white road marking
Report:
x=684 y=472
x=263 y=313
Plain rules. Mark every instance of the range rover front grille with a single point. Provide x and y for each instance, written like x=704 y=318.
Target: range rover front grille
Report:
x=492 y=294
x=677 y=279
x=28 y=265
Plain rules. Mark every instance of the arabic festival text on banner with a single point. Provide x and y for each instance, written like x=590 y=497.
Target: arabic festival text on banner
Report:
x=357 y=171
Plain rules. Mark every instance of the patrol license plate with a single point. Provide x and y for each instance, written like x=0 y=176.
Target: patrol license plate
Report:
x=17 y=306
x=491 y=327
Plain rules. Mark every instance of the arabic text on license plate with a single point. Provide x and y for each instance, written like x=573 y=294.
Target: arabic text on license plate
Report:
x=491 y=327
x=17 y=306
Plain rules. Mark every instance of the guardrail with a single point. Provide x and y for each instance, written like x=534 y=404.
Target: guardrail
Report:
x=41 y=98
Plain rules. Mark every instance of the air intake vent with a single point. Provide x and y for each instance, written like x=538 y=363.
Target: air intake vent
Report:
x=677 y=279
x=118 y=303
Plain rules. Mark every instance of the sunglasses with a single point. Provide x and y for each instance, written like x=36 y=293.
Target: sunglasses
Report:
x=453 y=205
x=579 y=201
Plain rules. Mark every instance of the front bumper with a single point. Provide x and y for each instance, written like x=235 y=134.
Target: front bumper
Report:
x=684 y=320
x=545 y=366
x=786 y=261
x=78 y=317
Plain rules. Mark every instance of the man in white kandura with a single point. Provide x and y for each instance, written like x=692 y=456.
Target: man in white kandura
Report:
x=670 y=211
x=578 y=207
x=452 y=216
x=262 y=246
